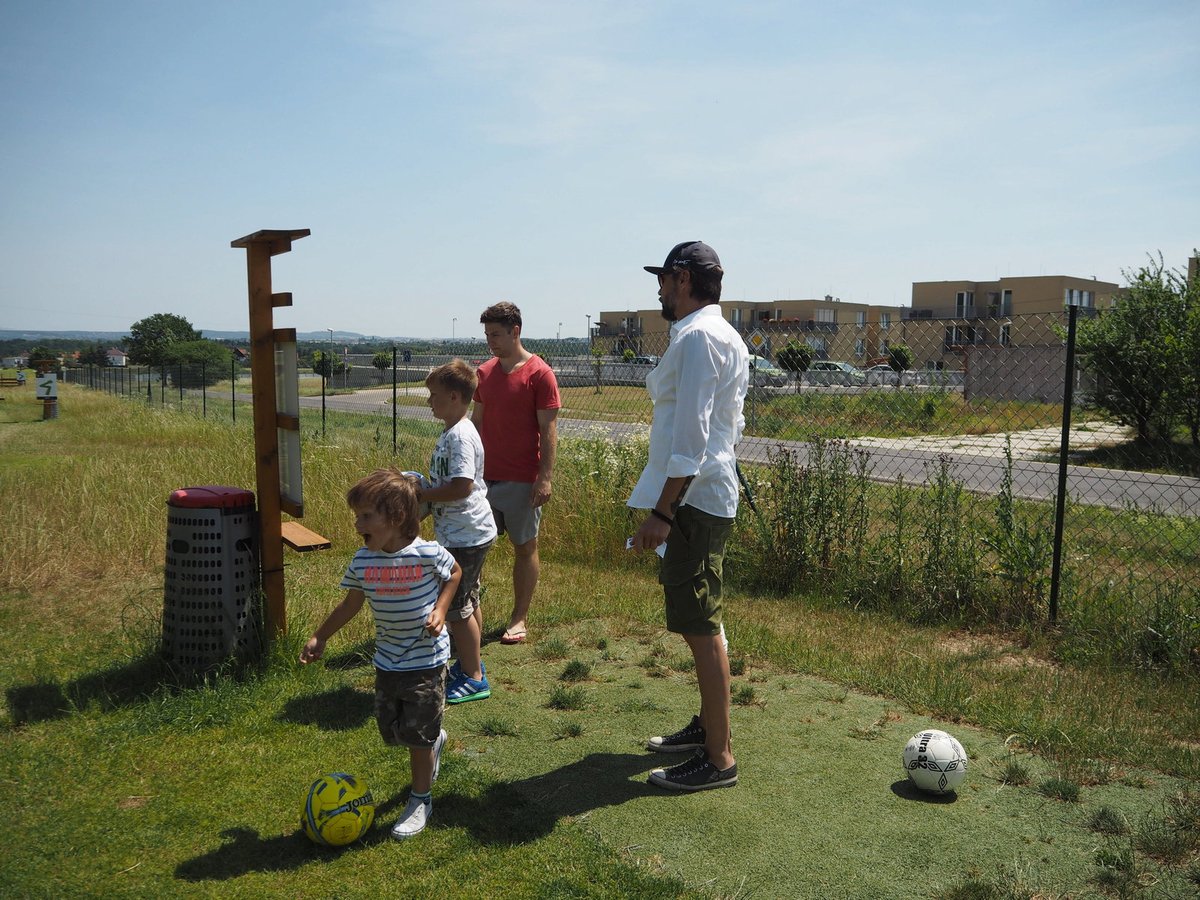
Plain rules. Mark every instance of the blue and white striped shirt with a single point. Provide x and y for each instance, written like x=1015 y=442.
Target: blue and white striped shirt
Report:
x=402 y=589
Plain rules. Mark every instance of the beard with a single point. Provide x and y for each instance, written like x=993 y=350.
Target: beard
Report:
x=668 y=310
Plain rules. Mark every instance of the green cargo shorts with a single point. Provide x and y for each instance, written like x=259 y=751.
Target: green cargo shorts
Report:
x=690 y=572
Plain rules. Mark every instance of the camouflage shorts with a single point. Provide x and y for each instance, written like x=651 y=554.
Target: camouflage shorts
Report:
x=466 y=598
x=408 y=706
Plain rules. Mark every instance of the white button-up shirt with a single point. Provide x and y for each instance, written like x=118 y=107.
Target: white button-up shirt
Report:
x=698 y=390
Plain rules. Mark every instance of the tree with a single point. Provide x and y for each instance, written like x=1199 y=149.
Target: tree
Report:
x=382 y=361
x=200 y=362
x=43 y=359
x=900 y=357
x=598 y=362
x=1185 y=360
x=322 y=363
x=795 y=358
x=95 y=355
x=1134 y=352
x=151 y=338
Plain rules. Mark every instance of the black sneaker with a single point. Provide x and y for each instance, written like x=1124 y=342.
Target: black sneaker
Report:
x=697 y=774
x=684 y=740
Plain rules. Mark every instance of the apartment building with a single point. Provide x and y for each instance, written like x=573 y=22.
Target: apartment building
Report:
x=948 y=317
x=854 y=332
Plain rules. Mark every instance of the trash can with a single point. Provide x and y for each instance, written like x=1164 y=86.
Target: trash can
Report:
x=212 y=608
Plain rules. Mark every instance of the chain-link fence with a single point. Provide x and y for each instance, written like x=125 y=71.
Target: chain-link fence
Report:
x=940 y=468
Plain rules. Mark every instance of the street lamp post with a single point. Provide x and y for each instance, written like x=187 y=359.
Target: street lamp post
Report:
x=589 y=330
x=559 y=336
x=453 y=322
x=327 y=368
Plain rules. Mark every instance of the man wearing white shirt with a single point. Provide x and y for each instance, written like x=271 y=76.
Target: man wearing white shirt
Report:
x=690 y=487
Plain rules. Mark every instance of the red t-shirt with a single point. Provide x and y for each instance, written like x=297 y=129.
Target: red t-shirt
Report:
x=511 y=438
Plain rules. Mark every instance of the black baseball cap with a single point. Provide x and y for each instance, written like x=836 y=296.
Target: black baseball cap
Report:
x=688 y=255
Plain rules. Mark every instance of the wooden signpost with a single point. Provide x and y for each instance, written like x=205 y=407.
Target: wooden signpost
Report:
x=276 y=421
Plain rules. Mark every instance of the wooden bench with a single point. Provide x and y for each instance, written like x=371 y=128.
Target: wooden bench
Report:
x=6 y=381
x=303 y=539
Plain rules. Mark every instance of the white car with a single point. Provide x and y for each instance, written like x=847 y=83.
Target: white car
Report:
x=764 y=373
x=881 y=374
x=828 y=371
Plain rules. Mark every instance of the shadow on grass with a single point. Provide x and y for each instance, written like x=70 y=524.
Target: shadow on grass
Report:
x=506 y=813
x=906 y=790
x=1174 y=458
x=123 y=685
x=516 y=812
x=113 y=688
x=245 y=851
x=342 y=709
x=361 y=654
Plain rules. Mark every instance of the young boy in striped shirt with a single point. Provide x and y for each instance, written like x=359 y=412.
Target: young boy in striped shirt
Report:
x=409 y=583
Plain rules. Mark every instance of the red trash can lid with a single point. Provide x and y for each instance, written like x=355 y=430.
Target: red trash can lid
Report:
x=211 y=496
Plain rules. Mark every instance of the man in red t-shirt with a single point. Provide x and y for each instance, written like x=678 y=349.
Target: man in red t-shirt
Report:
x=516 y=410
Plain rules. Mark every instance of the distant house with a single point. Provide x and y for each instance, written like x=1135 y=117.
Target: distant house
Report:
x=240 y=355
x=117 y=357
x=13 y=362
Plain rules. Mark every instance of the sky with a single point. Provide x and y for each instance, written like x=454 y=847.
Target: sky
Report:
x=447 y=155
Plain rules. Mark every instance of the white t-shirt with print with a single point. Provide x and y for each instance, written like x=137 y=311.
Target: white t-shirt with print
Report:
x=467 y=522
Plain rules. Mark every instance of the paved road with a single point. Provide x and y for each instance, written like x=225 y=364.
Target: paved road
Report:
x=977 y=464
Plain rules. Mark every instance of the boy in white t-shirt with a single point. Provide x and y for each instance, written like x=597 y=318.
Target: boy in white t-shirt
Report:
x=409 y=583
x=462 y=519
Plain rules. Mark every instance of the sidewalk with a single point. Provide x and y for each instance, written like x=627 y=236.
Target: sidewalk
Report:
x=1040 y=444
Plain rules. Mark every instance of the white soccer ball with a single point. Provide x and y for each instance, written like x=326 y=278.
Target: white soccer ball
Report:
x=934 y=761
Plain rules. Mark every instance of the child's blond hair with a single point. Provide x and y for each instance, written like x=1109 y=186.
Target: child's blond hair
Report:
x=455 y=375
x=393 y=495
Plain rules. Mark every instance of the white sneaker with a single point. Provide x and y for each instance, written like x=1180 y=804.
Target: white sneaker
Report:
x=413 y=820
x=437 y=753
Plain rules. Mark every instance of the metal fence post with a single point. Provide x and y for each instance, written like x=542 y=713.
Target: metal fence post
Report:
x=233 y=388
x=393 y=399
x=1064 y=446
x=203 y=390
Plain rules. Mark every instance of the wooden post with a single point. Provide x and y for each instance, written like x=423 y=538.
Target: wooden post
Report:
x=260 y=247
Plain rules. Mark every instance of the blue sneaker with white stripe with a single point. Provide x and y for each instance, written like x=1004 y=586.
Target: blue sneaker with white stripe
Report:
x=465 y=688
x=456 y=670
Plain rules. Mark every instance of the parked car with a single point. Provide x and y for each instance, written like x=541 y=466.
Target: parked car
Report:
x=646 y=360
x=881 y=374
x=764 y=373
x=828 y=371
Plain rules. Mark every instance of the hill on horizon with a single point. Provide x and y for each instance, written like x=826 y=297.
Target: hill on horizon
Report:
x=35 y=334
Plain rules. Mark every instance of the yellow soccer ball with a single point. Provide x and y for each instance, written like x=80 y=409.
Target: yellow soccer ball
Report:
x=338 y=810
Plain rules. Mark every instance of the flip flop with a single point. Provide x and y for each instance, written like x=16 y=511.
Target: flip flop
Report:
x=513 y=637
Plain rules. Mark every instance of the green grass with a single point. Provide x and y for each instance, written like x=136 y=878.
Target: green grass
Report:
x=576 y=670
x=883 y=413
x=1060 y=789
x=130 y=781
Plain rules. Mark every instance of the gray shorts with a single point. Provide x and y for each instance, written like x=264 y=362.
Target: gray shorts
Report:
x=408 y=706
x=513 y=511
x=466 y=598
x=691 y=571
